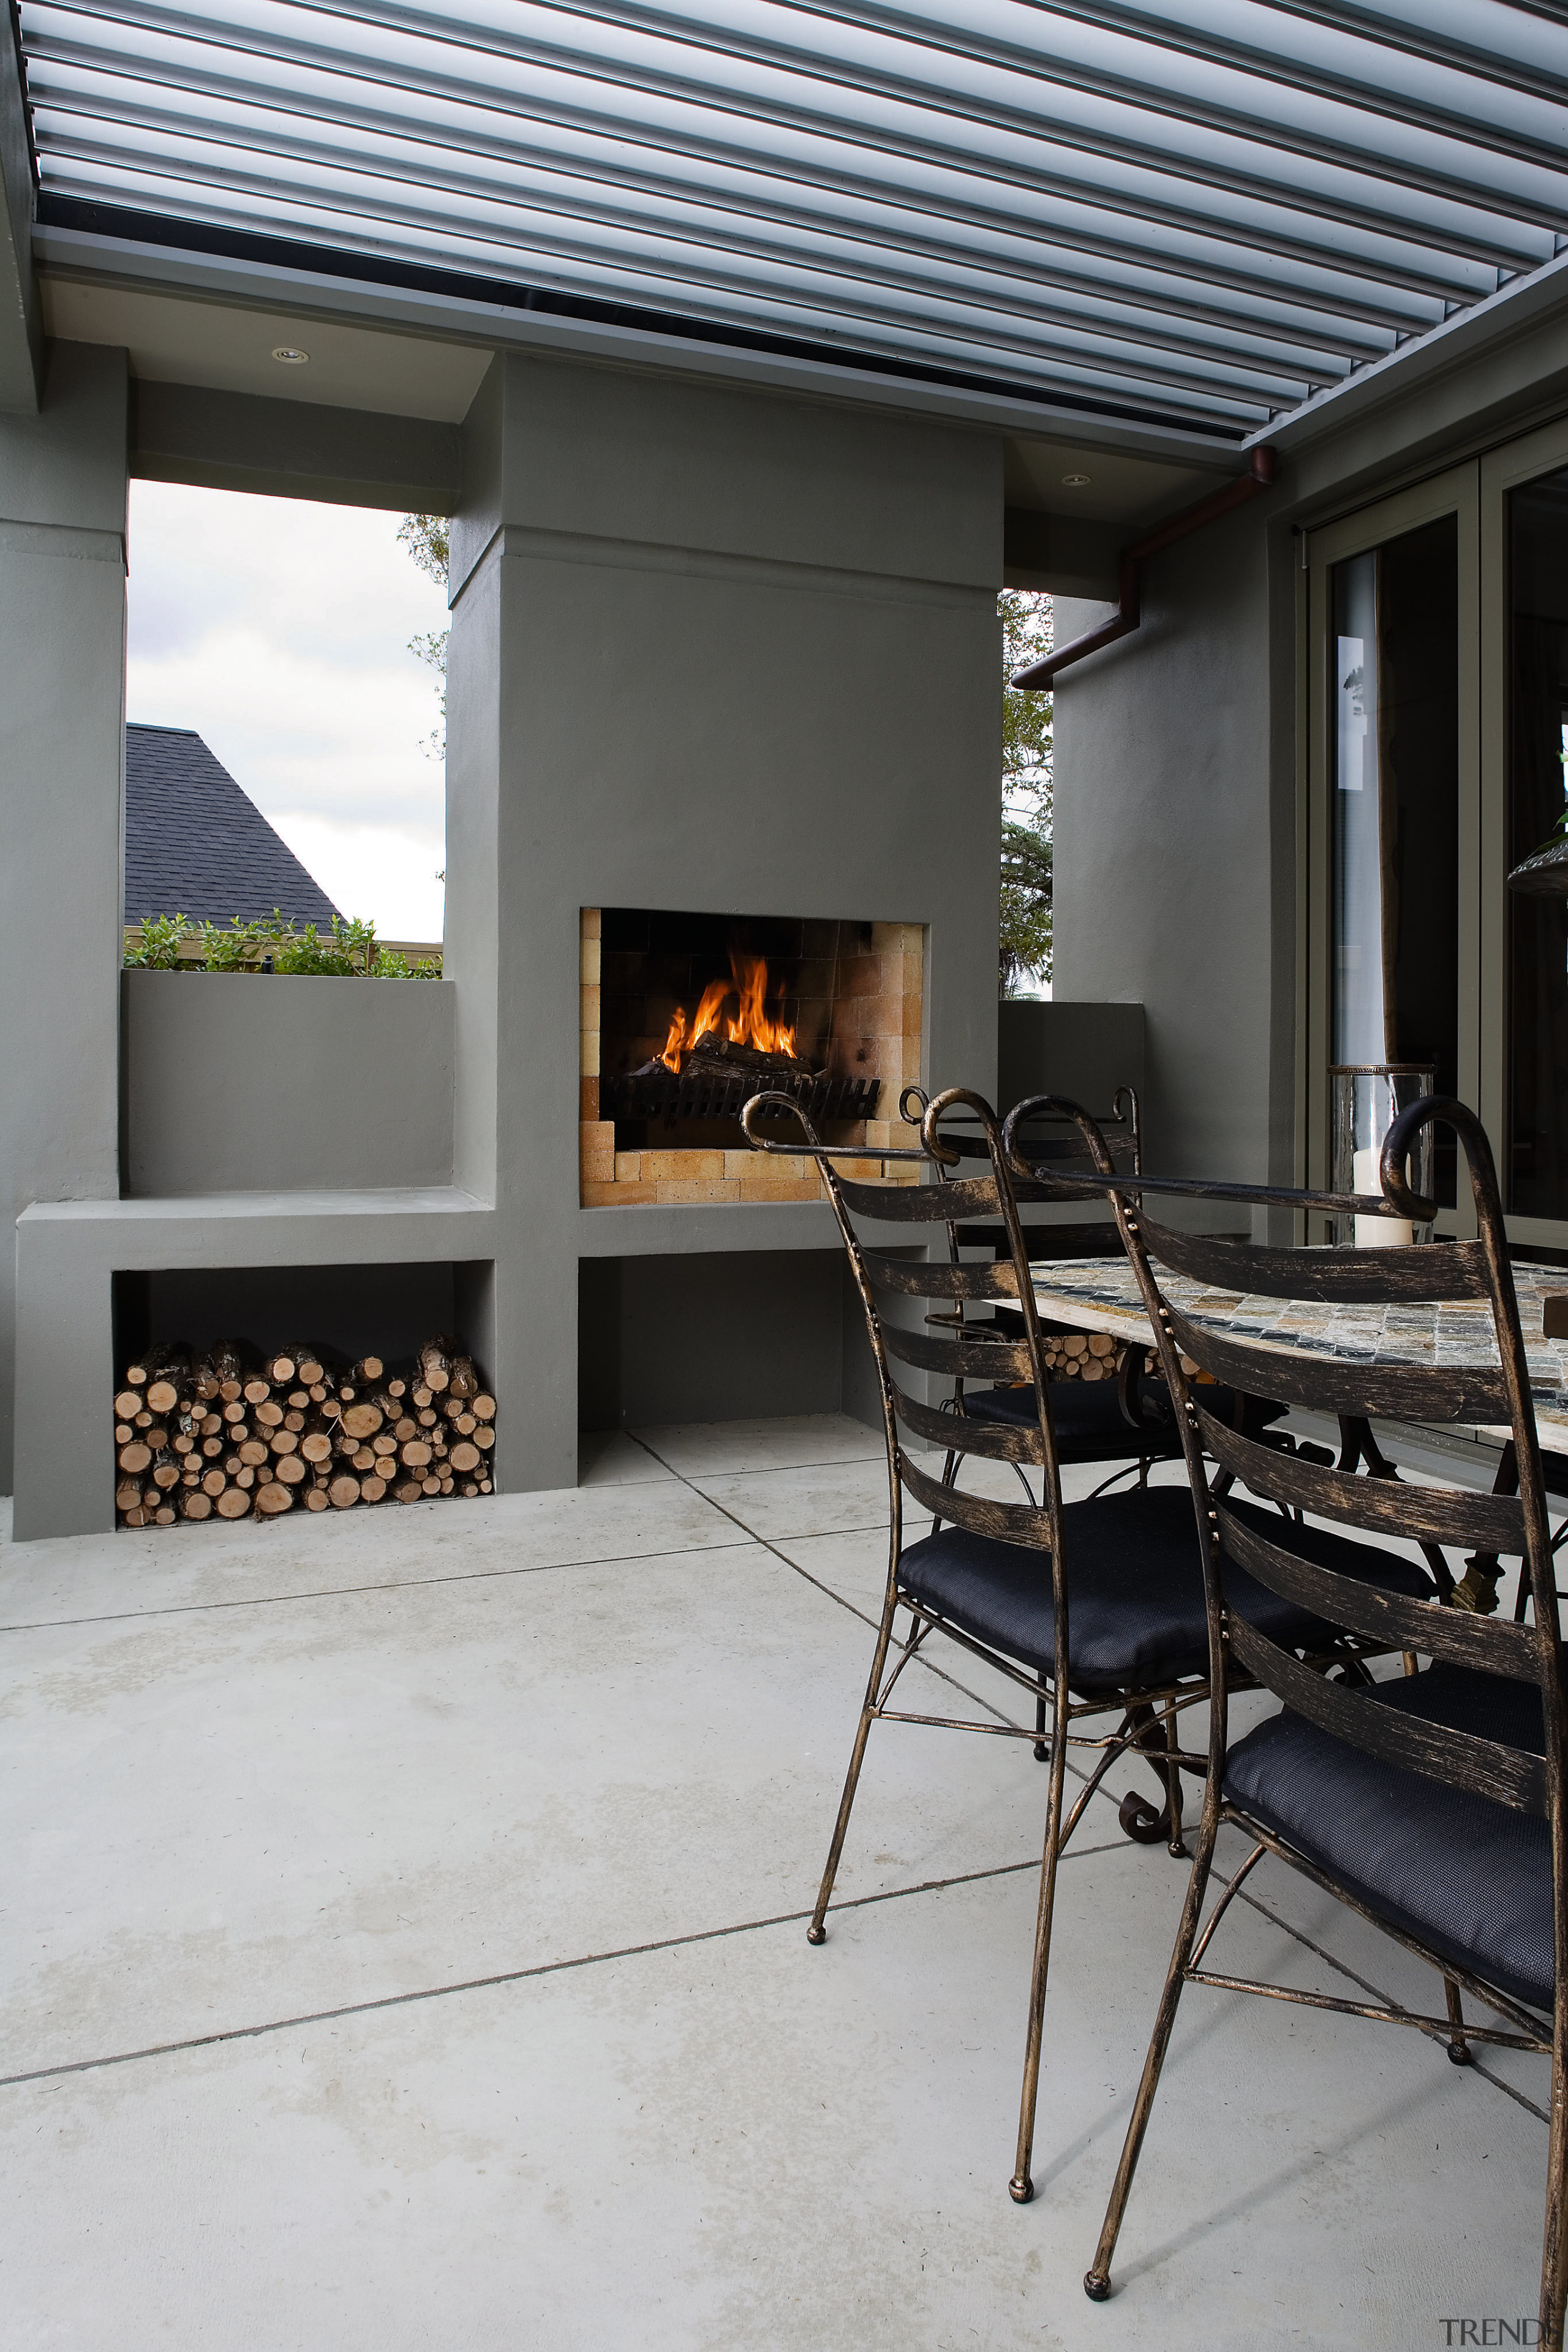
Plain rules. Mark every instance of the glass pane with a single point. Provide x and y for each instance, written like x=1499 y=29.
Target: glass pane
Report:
x=1537 y=927
x=1395 y=618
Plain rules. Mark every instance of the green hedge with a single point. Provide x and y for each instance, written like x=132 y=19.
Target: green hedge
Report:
x=173 y=943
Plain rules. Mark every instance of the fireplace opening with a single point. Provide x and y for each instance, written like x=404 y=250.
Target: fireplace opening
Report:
x=686 y=1017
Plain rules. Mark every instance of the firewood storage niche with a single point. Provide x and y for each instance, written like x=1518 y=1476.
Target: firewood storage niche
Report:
x=684 y=1016
x=230 y=1404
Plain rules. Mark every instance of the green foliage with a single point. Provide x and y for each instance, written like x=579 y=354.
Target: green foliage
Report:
x=427 y=539
x=1024 y=941
x=239 y=948
x=1025 y=926
x=348 y=951
x=160 y=947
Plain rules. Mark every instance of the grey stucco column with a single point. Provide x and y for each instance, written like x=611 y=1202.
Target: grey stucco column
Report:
x=62 y=631
x=716 y=650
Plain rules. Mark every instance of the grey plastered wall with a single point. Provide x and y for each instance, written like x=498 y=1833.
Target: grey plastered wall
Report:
x=1083 y=1051
x=1175 y=841
x=743 y=652
x=62 y=629
x=273 y=1083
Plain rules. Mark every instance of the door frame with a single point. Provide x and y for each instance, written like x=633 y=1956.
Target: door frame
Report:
x=1502 y=470
x=1455 y=491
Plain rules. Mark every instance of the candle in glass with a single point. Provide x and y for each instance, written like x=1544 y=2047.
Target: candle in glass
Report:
x=1377 y=1233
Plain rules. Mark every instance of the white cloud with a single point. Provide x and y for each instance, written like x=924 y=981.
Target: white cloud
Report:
x=278 y=629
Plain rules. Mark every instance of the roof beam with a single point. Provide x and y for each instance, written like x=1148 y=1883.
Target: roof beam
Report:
x=293 y=448
x=21 y=316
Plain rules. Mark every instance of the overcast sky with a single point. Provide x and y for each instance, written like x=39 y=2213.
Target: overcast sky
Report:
x=280 y=630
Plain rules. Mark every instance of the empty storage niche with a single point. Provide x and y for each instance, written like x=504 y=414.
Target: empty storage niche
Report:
x=255 y=1391
x=713 y=1335
x=272 y=1083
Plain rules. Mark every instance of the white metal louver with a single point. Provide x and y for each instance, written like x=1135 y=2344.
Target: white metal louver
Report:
x=1194 y=212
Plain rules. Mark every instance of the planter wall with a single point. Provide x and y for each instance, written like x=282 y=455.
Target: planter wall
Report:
x=274 y=1084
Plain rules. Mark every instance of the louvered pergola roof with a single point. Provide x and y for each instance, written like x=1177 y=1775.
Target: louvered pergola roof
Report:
x=1197 y=215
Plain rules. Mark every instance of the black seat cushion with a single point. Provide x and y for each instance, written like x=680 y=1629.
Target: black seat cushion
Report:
x=1135 y=1589
x=1085 y=1415
x=1091 y=1426
x=1469 y=1879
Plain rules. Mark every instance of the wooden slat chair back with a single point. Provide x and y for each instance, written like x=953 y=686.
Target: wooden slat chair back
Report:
x=1443 y=1761
x=995 y=1575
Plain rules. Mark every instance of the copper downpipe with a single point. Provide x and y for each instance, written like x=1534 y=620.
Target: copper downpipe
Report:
x=1042 y=674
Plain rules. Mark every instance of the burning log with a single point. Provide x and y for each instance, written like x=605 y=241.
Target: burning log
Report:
x=234 y=1433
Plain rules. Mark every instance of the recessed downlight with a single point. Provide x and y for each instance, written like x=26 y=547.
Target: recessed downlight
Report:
x=290 y=355
x=1075 y=481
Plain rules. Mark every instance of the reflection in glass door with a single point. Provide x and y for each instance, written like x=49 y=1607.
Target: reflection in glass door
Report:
x=1537 y=927
x=1394 y=777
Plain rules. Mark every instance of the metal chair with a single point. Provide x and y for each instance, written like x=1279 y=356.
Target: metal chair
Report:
x=1006 y=1580
x=1432 y=1803
x=1124 y=1423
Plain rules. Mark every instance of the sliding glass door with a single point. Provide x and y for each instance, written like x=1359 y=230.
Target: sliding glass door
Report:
x=1435 y=735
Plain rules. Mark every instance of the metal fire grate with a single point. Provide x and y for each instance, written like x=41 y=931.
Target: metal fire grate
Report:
x=701 y=1094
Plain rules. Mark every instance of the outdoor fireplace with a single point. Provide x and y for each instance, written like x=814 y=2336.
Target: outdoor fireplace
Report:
x=686 y=1017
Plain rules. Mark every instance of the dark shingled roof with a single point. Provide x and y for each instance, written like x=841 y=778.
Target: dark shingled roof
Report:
x=196 y=845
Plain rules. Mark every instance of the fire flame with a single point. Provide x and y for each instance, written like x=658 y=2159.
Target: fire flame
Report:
x=748 y=1025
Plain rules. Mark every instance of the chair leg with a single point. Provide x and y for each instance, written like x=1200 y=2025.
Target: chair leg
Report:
x=1459 y=2048
x=1137 y=1816
x=1097 y=2278
x=1177 y=1844
x=1042 y=1752
x=816 y=1933
x=1555 y=2248
x=1021 y=2188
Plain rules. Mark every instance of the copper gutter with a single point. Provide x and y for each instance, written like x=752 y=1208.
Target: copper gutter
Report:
x=1042 y=674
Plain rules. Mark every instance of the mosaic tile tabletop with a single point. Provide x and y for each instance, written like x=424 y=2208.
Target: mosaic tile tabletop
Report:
x=1100 y=1295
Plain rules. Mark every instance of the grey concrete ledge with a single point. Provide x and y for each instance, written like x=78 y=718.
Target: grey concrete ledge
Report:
x=314 y=1228
x=693 y=1229
x=68 y=1253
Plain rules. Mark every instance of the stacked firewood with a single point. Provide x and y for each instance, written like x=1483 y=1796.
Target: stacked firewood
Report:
x=235 y=1433
x=1083 y=1356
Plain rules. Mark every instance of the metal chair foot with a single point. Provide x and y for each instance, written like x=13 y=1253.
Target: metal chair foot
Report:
x=1139 y=1822
x=1177 y=1850
x=1458 y=2053
x=1042 y=1753
x=1097 y=2289
x=1020 y=2189
x=816 y=1935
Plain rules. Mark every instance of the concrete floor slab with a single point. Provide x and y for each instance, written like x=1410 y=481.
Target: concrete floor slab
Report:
x=824 y=1499
x=745 y=2144
x=133 y=1571
x=717 y=1448
x=436 y=1750
x=225 y=1812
